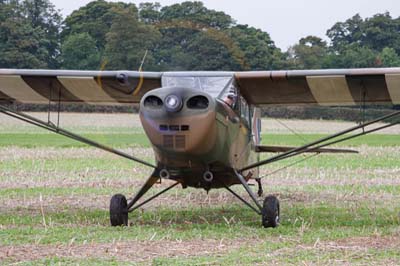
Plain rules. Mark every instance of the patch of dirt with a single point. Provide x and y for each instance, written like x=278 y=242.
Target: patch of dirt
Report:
x=371 y=242
x=133 y=251
x=347 y=251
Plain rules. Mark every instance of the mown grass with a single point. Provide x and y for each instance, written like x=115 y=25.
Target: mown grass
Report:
x=53 y=140
x=34 y=140
x=312 y=213
x=307 y=223
x=112 y=164
x=261 y=255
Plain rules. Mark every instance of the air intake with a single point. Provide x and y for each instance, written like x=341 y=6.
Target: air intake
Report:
x=180 y=142
x=174 y=142
x=168 y=141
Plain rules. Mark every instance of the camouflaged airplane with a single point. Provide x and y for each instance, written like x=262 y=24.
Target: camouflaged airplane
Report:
x=205 y=127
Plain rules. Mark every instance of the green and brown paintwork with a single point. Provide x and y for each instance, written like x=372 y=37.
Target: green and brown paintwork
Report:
x=215 y=139
x=218 y=138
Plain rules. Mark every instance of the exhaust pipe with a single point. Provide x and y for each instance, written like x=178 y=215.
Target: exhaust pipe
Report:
x=208 y=176
x=164 y=174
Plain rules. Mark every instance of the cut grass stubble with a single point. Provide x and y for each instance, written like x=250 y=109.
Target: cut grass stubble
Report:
x=336 y=209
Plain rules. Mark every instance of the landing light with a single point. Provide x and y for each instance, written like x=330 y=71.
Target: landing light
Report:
x=173 y=103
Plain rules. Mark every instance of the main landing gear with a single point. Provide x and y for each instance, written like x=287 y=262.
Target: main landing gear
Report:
x=119 y=207
x=270 y=212
x=118 y=210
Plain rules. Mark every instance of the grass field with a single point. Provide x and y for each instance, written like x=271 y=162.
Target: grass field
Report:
x=336 y=209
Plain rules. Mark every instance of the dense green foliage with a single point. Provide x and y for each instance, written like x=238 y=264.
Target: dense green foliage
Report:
x=29 y=34
x=186 y=36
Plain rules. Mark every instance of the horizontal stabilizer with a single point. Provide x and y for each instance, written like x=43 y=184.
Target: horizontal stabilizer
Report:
x=277 y=149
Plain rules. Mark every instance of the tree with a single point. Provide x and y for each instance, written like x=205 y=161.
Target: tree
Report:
x=96 y=19
x=382 y=31
x=42 y=16
x=149 y=13
x=309 y=53
x=22 y=46
x=354 y=56
x=208 y=53
x=345 y=33
x=375 y=33
x=79 y=51
x=257 y=49
x=29 y=34
x=127 y=42
x=389 y=58
x=197 y=13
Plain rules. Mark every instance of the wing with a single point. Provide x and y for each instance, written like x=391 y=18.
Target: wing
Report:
x=323 y=87
x=93 y=87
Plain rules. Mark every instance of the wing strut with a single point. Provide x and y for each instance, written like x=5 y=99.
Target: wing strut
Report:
x=327 y=141
x=53 y=128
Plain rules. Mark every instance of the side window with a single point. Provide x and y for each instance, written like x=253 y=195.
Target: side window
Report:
x=244 y=110
x=256 y=126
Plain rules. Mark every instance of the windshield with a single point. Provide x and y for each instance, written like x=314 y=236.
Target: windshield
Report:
x=212 y=85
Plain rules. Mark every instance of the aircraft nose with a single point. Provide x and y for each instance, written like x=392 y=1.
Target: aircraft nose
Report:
x=179 y=120
x=176 y=102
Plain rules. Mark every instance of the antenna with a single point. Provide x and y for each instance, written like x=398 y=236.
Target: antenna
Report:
x=144 y=58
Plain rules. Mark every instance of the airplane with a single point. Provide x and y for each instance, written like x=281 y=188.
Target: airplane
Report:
x=204 y=127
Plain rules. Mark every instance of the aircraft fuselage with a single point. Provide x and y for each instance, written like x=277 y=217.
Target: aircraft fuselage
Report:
x=194 y=134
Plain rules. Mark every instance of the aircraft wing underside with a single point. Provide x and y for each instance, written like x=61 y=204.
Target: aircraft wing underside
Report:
x=321 y=87
x=308 y=87
x=92 y=87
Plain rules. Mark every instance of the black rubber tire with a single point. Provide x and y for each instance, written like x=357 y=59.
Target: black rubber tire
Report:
x=118 y=210
x=270 y=212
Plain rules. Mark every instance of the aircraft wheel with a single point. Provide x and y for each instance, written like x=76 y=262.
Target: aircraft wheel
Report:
x=270 y=212
x=118 y=210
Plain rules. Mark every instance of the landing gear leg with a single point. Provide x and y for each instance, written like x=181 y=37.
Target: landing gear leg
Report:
x=119 y=208
x=258 y=207
x=270 y=210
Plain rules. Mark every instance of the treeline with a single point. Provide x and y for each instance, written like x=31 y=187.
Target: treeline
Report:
x=187 y=36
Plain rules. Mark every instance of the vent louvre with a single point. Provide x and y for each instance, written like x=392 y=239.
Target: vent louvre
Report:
x=180 y=142
x=169 y=141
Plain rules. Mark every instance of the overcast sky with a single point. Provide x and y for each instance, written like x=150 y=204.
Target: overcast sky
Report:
x=285 y=20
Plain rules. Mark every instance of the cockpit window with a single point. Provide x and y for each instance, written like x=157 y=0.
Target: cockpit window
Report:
x=212 y=85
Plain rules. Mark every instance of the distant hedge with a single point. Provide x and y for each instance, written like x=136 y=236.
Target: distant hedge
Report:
x=330 y=113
